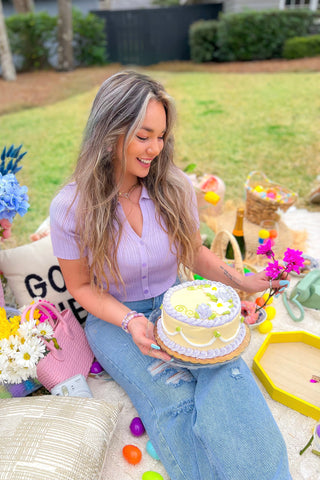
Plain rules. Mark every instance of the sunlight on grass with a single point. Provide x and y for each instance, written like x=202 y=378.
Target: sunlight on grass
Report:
x=228 y=124
x=232 y=124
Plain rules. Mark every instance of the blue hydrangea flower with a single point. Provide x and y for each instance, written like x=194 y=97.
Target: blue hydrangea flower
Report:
x=204 y=310
x=13 y=197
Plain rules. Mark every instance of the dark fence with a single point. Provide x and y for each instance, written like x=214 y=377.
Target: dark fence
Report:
x=148 y=36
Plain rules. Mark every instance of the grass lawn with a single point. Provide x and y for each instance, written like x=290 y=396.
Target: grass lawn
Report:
x=228 y=124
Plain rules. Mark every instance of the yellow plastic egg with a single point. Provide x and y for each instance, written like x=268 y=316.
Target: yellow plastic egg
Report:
x=265 y=298
x=258 y=188
x=265 y=327
x=212 y=197
x=263 y=233
x=270 y=311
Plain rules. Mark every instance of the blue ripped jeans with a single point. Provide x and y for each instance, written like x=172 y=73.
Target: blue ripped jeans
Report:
x=205 y=424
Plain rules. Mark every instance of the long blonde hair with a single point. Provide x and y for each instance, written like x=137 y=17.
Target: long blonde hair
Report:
x=118 y=110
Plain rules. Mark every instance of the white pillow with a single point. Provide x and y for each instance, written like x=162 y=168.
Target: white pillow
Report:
x=32 y=271
x=55 y=438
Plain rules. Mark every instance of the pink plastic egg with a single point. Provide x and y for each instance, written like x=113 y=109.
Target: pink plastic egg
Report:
x=136 y=427
x=132 y=454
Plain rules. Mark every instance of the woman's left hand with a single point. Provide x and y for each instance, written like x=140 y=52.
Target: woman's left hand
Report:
x=141 y=330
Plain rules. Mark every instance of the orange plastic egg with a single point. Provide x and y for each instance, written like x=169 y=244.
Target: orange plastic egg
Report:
x=260 y=301
x=273 y=233
x=132 y=454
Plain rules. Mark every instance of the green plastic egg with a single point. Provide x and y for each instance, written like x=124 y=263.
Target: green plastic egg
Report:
x=150 y=475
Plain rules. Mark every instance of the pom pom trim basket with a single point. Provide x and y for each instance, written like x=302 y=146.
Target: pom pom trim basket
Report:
x=260 y=208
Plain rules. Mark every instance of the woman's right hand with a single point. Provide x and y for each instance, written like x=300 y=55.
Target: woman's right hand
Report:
x=142 y=334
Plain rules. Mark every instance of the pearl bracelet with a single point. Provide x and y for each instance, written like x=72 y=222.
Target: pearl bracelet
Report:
x=128 y=317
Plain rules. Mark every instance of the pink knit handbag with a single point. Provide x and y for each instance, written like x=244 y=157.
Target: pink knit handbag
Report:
x=74 y=355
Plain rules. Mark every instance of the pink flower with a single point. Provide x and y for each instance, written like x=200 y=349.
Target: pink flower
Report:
x=265 y=249
x=5 y=228
x=274 y=270
x=294 y=260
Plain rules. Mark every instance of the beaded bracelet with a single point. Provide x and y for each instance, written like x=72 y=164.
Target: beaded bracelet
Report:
x=128 y=317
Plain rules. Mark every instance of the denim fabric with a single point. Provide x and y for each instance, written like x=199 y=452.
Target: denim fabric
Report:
x=206 y=423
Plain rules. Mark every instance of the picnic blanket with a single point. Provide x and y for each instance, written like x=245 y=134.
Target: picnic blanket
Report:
x=295 y=427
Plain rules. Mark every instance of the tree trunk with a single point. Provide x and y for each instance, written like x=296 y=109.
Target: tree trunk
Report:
x=8 y=70
x=65 y=34
x=23 y=6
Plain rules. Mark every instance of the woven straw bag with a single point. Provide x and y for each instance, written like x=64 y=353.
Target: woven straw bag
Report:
x=219 y=246
x=259 y=206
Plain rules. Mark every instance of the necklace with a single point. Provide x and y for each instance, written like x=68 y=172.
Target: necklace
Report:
x=128 y=193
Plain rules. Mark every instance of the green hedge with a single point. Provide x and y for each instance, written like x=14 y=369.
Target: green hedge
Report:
x=299 y=47
x=249 y=35
x=203 y=40
x=33 y=40
x=89 y=39
x=32 y=37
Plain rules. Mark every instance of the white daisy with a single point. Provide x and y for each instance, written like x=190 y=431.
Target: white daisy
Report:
x=45 y=330
x=37 y=344
x=4 y=377
x=18 y=374
x=28 y=327
x=27 y=356
x=12 y=345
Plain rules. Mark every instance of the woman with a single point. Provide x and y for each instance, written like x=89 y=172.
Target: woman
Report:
x=120 y=230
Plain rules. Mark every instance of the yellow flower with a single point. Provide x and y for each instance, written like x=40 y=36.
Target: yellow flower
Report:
x=36 y=314
x=8 y=327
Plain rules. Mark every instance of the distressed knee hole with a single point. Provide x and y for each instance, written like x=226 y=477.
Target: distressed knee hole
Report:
x=170 y=375
x=183 y=407
x=236 y=373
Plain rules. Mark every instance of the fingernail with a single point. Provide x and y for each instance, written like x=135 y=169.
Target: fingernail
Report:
x=171 y=360
x=284 y=283
x=156 y=347
x=277 y=295
x=282 y=289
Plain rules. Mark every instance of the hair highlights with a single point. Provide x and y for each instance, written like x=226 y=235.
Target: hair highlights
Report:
x=117 y=112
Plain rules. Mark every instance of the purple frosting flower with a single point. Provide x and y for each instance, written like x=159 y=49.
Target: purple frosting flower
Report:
x=223 y=295
x=204 y=310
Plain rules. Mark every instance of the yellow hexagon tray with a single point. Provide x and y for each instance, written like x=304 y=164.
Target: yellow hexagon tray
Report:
x=285 y=364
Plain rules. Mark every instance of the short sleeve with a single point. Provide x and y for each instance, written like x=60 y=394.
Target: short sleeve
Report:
x=62 y=224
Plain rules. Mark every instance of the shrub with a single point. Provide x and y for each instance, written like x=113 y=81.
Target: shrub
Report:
x=89 y=39
x=203 y=40
x=260 y=35
x=31 y=36
x=299 y=47
x=33 y=40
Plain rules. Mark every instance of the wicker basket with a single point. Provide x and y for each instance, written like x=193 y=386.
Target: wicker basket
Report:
x=219 y=246
x=259 y=206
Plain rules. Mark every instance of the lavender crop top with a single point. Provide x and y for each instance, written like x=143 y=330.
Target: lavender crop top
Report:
x=147 y=265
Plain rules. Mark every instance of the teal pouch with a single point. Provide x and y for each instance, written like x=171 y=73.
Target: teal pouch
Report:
x=305 y=294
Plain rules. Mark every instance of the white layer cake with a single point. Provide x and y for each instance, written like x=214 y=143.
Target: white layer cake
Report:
x=201 y=321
